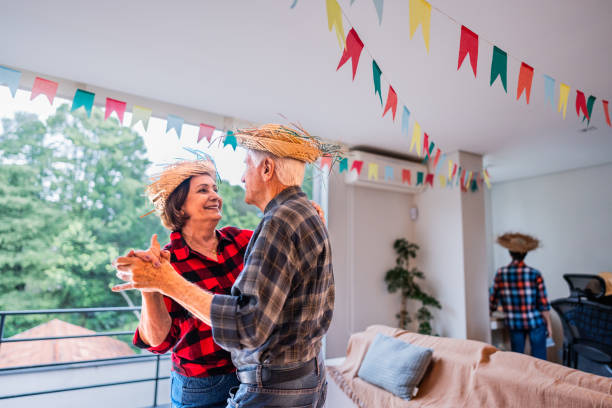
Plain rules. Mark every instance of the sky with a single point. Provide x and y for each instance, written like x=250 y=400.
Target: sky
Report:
x=162 y=148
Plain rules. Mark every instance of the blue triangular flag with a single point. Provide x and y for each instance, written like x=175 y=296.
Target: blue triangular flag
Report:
x=10 y=78
x=176 y=123
x=549 y=86
x=442 y=160
x=84 y=99
x=388 y=173
x=294 y=3
x=379 y=9
x=230 y=140
x=405 y=119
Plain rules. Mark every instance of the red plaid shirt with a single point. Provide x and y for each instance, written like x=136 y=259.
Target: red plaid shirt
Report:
x=194 y=353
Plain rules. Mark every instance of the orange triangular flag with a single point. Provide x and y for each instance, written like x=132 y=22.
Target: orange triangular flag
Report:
x=524 y=81
x=391 y=102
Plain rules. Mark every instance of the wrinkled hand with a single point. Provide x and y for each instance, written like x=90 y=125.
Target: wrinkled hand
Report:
x=319 y=210
x=153 y=255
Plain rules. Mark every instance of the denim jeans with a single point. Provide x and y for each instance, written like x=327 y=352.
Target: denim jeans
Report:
x=308 y=391
x=194 y=392
x=537 y=340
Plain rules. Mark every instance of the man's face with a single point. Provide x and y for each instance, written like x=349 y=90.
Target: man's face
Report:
x=253 y=181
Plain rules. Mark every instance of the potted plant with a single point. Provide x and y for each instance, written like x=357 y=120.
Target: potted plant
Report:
x=402 y=278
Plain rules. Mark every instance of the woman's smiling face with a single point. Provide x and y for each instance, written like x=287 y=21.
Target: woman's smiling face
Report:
x=203 y=202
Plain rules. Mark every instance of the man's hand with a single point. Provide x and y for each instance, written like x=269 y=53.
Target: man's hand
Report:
x=154 y=255
x=143 y=275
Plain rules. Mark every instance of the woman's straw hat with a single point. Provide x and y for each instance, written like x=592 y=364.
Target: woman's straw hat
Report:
x=172 y=176
x=516 y=242
x=283 y=141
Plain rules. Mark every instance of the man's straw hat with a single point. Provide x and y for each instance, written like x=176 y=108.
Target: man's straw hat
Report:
x=283 y=141
x=516 y=242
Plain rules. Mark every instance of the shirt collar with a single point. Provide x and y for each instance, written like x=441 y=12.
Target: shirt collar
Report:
x=517 y=263
x=286 y=194
x=180 y=249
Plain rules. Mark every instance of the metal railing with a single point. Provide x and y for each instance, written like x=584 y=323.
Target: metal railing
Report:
x=84 y=363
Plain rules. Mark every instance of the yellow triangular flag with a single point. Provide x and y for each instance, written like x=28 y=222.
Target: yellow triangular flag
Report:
x=141 y=114
x=450 y=169
x=469 y=178
x=563 y=95
x=420 y=13
x=334 y=18
x=442 y=181
x=372 y=171
x=486 y=178
x=416 y=138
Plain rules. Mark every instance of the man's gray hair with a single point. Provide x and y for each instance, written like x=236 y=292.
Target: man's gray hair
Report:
x=290 y=172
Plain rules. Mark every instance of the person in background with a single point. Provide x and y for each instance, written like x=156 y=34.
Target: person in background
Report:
x=521 y=292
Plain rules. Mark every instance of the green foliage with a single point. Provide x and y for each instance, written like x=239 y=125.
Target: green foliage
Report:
x=71 y=197
x=401 y=278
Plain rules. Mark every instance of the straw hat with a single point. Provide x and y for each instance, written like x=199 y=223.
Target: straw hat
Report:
x=283 y=141
x=516 y=242
x=173 y=175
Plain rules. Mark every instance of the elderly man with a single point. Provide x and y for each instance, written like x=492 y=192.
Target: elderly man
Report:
x=281 y=305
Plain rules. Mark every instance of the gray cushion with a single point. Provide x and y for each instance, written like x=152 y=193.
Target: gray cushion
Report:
x=395 y=365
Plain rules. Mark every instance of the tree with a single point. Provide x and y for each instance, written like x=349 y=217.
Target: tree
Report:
x=403 y=279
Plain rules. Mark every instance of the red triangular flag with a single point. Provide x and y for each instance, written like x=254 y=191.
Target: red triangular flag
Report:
x=605 y=105
x=435 y=163
x=581 y=104
x=206 y=131
x=406 y=176
x=113 y=105
x=44 y=87
x=524 y=81
x=425 y=146
x=391 y=102
x=429 y=179
x=454 y=171
x=352 y=50
x=468 y=44
x=326 y=162
x=357 y=165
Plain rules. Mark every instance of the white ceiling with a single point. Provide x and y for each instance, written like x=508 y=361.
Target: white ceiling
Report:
x=255 y=59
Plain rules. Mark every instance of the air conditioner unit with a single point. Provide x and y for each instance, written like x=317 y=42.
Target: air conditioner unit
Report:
x=386 y=174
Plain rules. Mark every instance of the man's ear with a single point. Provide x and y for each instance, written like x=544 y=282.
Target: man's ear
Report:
x=267 y=169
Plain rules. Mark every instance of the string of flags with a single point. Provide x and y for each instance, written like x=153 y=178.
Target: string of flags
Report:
x=421 y=143
x=85 y=99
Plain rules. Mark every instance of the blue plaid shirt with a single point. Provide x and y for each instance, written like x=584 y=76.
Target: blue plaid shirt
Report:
x=522 y=294
x=282 y=303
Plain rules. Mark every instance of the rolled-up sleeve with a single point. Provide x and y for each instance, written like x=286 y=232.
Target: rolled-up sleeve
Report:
x=247 y=317
x=178 y=315
x=542 y=298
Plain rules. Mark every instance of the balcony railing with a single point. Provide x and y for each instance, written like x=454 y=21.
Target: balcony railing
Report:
x=154 y=377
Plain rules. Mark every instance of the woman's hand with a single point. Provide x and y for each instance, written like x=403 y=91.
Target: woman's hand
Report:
x=154 y=255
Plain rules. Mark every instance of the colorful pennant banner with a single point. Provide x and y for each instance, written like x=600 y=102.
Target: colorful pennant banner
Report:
x=44 y=87
x=113 y=105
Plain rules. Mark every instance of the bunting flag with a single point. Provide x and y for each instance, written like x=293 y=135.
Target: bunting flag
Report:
x=425 y=145
x=462 y=178
x=468 y=44
x=469 y=178
x=230 y=140
x=405 y=121
x=293 y=4
x=343 y=165
x=416 y=138
x=372 y=171
x=454 y=171
x=176 y=123
x=442 y=180
x=563 y=95
x=429 y=179
x=607 y=112
x=84 y=99
x=419 y=178
x=581 y=104
x=439 y=165
x=450 y=169
x=140 y=114
x=379 y=10
x=351 y=51
x=334 y=19
x=10 y=78
x=357 y=165
x=499 y=66
x=487 y=178
x=435 y=163
x=406 y=176
x=326 y=162
x=113 y=105
x=44 y=87
x=420 y=14
x=549 y=88
x=389 y=173
x=474 y=186
x=376 y=72
x=590 y=103
x=206 y=131
x=391 y=102
x=524 y=82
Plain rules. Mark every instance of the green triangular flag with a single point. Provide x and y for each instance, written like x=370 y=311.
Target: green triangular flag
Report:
x=419 y=178
x=499 y=66
x=84 y=99
x=376 y=74
x=343 y=165
x=590 y=104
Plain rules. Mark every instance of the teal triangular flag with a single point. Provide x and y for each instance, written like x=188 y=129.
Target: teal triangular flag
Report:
x=343 y=165
x=419 y=178
x=376 y=76
x=405 y=121
x=176 y=123
x=84 y=99
x=230 y=140
x=590 y=104
x=499 y=66
x=10 y=78
x=379 y=10
x=474 y=186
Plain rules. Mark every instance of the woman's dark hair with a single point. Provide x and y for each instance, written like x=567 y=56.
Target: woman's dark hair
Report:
x=518 y=256
x=173 y=216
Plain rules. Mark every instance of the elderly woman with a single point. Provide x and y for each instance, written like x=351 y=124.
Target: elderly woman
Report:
x=187 y=200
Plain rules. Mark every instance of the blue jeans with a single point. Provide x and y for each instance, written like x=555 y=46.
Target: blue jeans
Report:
x=194 y=392
x=537 y=340
x=308 y=391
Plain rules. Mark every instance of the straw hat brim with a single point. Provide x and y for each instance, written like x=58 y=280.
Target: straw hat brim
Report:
x=301 y=150
x=517 y=242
